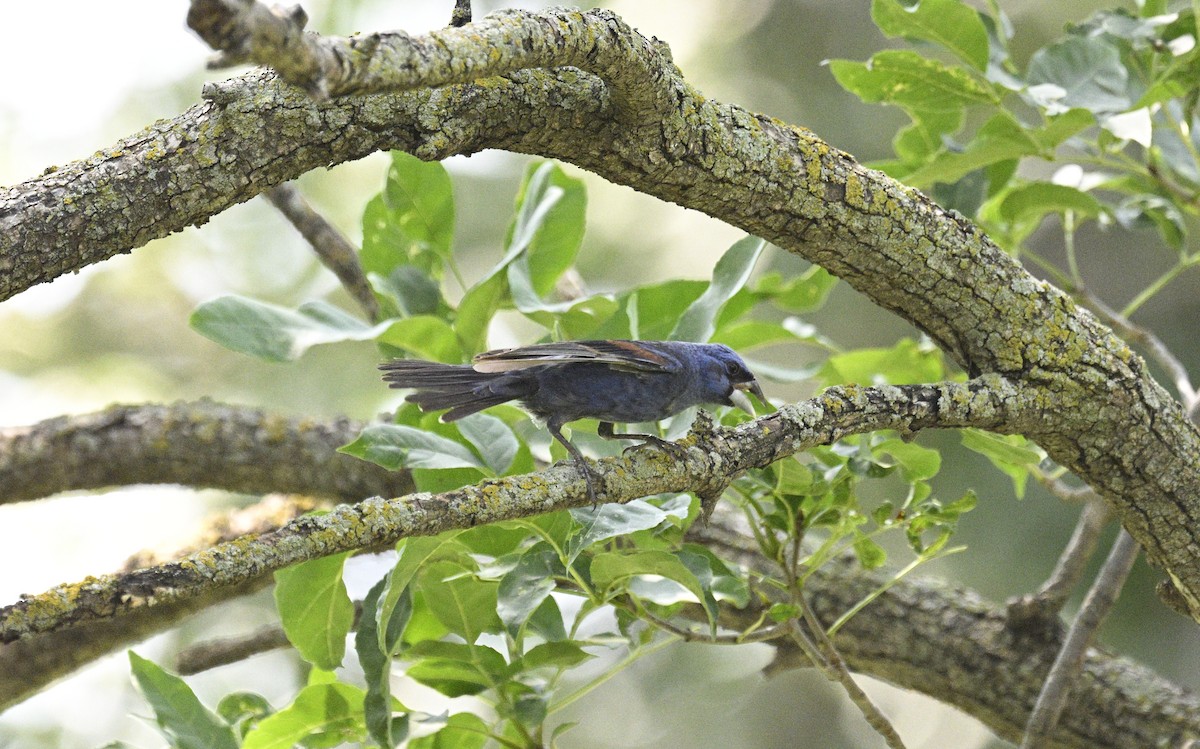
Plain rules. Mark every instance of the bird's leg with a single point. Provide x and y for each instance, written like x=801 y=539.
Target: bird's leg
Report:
x=581 y=463
x=605 y=430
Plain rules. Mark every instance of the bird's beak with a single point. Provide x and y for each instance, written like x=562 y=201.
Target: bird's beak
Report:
x=739 y=399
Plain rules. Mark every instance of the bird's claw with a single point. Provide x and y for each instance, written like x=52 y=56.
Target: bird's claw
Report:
x=588 y=478
x=677 y=451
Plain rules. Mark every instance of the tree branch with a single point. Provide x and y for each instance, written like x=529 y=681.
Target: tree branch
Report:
x=947 y=643
x=1102 y=415
x=1068 y=664
x=202 y=444
x=32 y=663
x=713 y=458
x=333 y=249
x=919 y=634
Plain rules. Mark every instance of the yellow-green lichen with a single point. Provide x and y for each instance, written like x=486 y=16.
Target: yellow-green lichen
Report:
x=855 y=191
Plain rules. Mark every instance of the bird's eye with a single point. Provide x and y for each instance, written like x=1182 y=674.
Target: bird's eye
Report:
x=734 y=370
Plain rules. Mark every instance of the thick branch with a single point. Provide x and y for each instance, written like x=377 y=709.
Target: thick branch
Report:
x=714 y=458
x=32 y=663
x=248 y=31
x=201 y=444
x=919 y=634
x=1102 y=415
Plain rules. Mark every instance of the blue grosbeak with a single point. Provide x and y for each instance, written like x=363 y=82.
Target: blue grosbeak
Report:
x=613 y=381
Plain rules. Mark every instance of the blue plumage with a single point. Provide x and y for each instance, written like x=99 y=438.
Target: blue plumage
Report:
x=613 y=381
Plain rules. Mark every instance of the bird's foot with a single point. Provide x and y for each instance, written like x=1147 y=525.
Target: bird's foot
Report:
x=588 y=478
x=677 y=451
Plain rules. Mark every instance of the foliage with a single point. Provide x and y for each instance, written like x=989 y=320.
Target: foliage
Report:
x=505 y=612
x=1112 y=105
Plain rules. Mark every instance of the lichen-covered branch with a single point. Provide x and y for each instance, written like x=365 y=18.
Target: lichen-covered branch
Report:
x=640 y=78
x=918 y=634
x=201 y=444
x=949 y=644
x=713 y=458
x=32 y=663
x=1100 y=412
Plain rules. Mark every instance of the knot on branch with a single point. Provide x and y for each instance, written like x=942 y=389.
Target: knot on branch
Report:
x=240 y=29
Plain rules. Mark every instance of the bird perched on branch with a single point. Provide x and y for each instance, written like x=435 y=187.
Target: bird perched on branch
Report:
x=613 y=381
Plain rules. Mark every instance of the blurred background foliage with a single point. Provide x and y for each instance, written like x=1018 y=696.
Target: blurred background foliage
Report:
x=118 y=332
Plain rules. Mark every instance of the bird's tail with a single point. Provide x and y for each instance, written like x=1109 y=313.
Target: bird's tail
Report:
x=456 y=387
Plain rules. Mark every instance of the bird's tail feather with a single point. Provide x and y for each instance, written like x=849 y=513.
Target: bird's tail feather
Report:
x=457 y=387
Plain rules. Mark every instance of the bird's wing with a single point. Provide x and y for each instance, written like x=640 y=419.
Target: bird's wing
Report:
x=631 y=355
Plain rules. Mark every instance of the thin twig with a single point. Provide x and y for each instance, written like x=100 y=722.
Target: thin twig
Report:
x=1048 y=601
x=461 y=15
x=1063 y=674
x=831 y=664
x=821 y=651
x=221 y=652
x=764 y=634
x=334 y=250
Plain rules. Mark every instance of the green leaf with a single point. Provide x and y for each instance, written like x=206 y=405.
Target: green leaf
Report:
x=1034 y=200
x=917 y=463
x=379 y=631
x=535 y=212
x=477 y=308
x=553 y=655
x=1079 y=71
x=650 y=312
x=1012 y=454
x=549 y=220
x=523 y=589
x=1007 y=448
x=326 y=712
x=731 y=273
x=718 y=580
x=1143 y=211
x=949 y=23
x=243 y=709
x=315 y=609
x=611 y=520
x=610 y=569
x=870 y=554
x=427 y=337
x=462 y=731
x=410 y=289
x=395 y=446
x=456 y=669
x=746 y=335
x=927 y=89
x=805 y=292
x=186 y=722
x=1060 y=127
x=547 y=622
x=465 y=605
x=275 y=333
x=907 y=362
x=414 y=212
x=492 y=438
x=1000 y=139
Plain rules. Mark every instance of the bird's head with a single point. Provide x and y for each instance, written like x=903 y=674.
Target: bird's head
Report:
x=729 y=378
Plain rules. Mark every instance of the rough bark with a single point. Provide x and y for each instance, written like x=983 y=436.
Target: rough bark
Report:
x=713 y=458
x=585 y=88
x=624 y=112
x=951 y=645
x=197 y=444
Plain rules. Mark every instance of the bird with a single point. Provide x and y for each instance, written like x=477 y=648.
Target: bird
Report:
x=615 y=381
